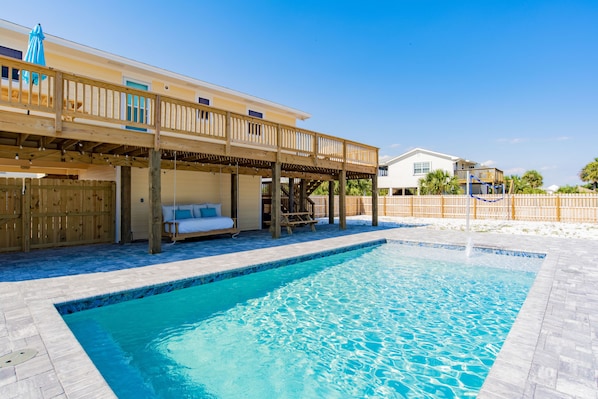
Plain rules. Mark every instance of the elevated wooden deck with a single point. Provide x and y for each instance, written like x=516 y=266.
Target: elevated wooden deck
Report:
x=487 y=175
x=69 y=120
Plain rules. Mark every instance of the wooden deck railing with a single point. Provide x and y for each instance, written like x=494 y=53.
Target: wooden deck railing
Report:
x=488 y=175
x=89 y=101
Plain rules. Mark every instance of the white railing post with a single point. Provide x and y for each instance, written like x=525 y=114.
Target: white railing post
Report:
x=467 y=202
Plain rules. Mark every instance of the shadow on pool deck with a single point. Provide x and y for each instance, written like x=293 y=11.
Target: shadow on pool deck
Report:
x=67 y=261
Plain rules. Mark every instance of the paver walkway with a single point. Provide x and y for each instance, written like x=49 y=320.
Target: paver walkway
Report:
x=551 y=351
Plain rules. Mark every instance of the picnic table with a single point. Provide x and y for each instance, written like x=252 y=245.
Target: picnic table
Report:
x=292 y=219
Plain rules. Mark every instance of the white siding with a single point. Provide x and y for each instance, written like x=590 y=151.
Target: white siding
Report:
x=400 y=173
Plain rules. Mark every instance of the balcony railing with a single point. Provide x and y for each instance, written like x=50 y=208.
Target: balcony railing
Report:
x=487 y=175
x=84 y=100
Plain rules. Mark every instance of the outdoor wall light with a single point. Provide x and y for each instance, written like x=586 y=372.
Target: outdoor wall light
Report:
x=17 y=156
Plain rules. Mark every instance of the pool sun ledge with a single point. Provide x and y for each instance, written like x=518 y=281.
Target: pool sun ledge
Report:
x=551 y=351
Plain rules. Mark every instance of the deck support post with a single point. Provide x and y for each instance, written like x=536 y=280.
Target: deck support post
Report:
x=342 y=200
x=303 y=196
x=331 y=202
x=155 y=198
x=276 y=203
x=291 y=195
x=375 y=200
x=125 y=205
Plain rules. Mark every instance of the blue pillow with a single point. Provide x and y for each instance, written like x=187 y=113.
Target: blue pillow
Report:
x=208 y=212
x=182 y=214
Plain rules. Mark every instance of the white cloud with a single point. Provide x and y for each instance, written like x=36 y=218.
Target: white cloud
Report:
x=515 y=171
x=396 y=145
x=561 y=138
x=549 y=167
x=384 y=158
x=515 y=140
x=489 y=163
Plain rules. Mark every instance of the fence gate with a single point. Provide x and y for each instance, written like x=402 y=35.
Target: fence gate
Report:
x=45 y=213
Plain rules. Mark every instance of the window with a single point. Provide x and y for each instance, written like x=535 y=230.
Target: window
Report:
x=255 y=128
x=421 y=168
x=201 y=114
x=383 y=170
x=12 y=53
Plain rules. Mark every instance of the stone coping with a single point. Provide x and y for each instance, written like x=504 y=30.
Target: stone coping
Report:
x=551 y=351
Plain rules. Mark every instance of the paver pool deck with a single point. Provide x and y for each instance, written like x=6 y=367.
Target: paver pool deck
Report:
x=551 y=351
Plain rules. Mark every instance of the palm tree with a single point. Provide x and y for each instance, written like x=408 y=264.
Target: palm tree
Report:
x=439 y=182
x=589 y=173
x=515 y=182
x=532 y=179
x=567 y=190
x=353 y=187
x=359 y=187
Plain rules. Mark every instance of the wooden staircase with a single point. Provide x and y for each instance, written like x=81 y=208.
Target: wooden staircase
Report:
x=290 y=198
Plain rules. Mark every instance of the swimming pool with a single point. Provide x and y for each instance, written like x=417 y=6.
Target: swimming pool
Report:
x=389 y=320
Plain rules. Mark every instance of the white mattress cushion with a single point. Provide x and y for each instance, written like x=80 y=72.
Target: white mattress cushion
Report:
x=204 y=224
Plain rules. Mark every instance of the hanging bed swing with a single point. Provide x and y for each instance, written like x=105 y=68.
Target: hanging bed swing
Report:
x=182 y=221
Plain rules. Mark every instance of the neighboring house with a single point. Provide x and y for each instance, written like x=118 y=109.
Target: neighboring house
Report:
x=219 y=141
x=401 y=174
x=551 y=189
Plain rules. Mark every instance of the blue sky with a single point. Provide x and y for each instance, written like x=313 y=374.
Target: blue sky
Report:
x=512 y=84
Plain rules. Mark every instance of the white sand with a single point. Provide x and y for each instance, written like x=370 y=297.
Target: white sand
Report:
x=587 y=231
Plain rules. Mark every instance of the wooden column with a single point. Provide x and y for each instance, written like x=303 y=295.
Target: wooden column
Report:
x=303 y=196
x=125 y=205
x=291 y=195
x=331 y=202
x=342 y=200
x=155 y=205
x=558 y=208
x=375 y=200
x=234 y=206
x=227 y=133
x=157 y=121
x=58 y=99
x=275 y=210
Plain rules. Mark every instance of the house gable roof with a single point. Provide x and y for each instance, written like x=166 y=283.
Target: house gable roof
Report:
x=423 y=151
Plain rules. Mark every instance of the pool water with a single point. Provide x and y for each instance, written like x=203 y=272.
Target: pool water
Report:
x=390 y=321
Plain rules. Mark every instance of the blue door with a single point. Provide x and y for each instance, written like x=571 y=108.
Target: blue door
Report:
x=136 y=105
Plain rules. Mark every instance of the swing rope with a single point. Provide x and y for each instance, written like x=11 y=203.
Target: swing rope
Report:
x=237 y=202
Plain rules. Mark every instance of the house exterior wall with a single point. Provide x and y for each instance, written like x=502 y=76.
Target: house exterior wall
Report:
x=86 y=61
x=95 y=172
x=195 y=188
x=401 y=173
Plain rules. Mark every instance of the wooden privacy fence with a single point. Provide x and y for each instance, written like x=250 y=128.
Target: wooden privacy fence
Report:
x=44 y=213
x=576 y=208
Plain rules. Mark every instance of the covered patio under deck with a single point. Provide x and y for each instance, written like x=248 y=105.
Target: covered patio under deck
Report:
x=70 y=120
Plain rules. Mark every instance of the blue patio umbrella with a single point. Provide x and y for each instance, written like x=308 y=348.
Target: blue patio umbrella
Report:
x=35 y=53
